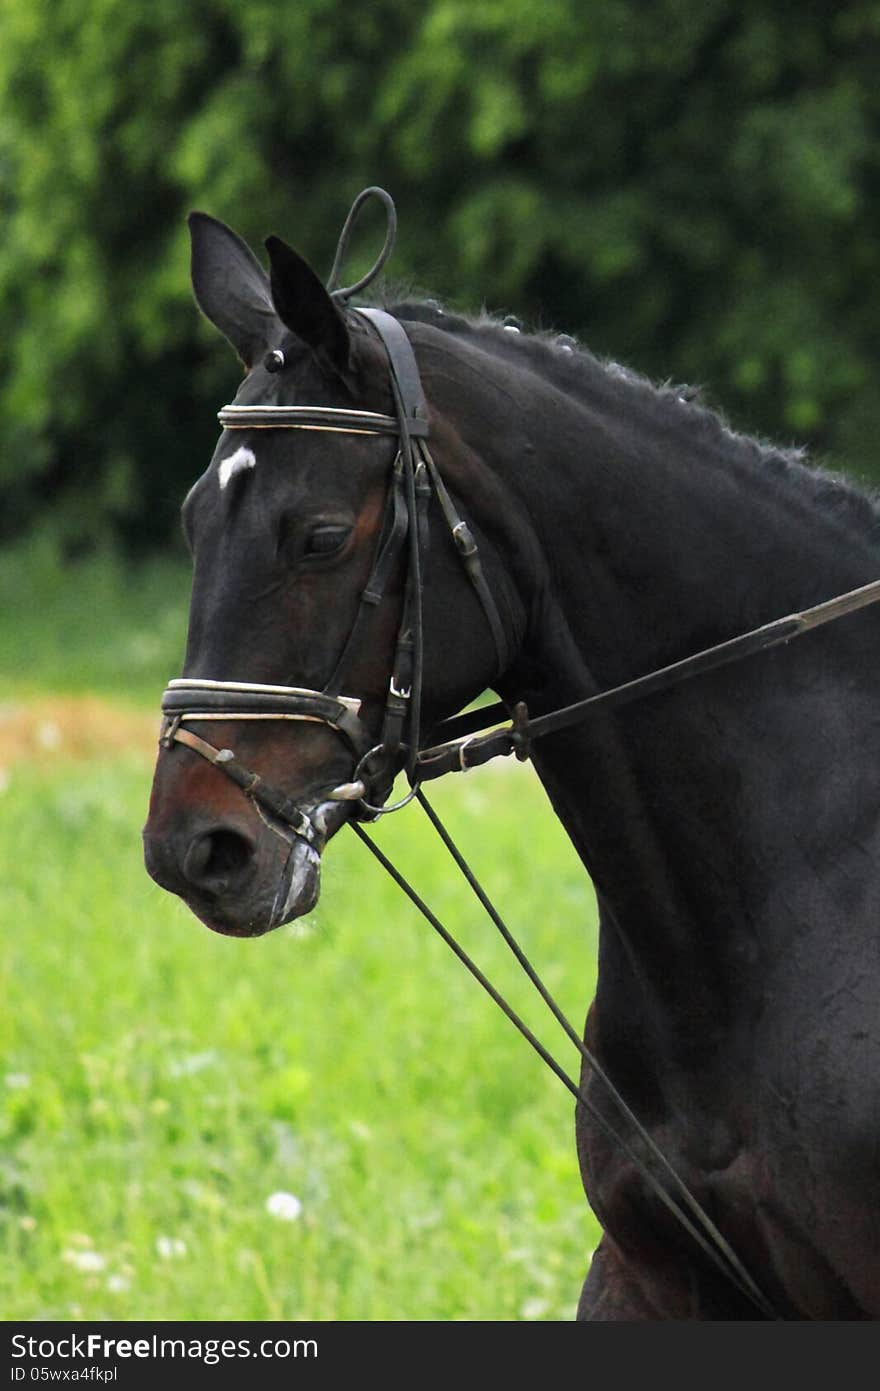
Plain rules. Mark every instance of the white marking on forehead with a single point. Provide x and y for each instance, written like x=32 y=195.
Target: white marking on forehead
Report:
x=236 y=463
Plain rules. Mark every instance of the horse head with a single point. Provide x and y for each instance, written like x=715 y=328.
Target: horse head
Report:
x=306 y=674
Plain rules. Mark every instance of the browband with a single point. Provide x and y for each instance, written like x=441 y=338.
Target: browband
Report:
x=307 y=418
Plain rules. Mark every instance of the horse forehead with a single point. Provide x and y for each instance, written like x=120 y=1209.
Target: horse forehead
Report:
x=243 y=452
x=287 y=468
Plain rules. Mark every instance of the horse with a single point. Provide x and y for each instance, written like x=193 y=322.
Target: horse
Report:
x=408 y=507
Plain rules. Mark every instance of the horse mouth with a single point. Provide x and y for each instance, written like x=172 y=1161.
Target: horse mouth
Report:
x=291 y=886
x=295 y=894
x=280 y=882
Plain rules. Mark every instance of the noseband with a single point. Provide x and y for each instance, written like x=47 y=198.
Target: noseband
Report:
x=414 y=481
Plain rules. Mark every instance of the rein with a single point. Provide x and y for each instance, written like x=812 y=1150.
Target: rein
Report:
x=462 y=754
x=415 y=482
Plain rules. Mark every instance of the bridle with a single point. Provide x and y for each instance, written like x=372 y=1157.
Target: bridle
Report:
x=415 y=481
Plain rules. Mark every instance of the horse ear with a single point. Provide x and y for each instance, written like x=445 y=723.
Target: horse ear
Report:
x=304 y=305
x=232 y=289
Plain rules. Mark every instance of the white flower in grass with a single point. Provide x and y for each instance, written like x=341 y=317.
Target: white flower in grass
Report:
x=89 y=1262
x=534 y=1308
x=170 y=1248
x=285 y=1206
x=192 y=1063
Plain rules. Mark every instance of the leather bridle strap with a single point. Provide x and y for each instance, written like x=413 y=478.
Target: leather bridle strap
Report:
x=470 y=556
x=252 y=785
x=403 y=701
x=390 y=546
x=196 y=699
x=412 y=415
x=339 y=422
x=191 y=699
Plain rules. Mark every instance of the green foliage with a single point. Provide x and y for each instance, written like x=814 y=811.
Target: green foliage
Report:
x=692 y=187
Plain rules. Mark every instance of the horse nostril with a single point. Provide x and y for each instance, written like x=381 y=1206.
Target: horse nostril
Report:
x=215 y=858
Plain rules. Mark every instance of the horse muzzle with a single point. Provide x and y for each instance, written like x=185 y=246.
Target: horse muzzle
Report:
x=239 y=876
x=239 y=850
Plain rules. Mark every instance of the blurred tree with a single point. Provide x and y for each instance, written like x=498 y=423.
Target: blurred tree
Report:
x=691 y=186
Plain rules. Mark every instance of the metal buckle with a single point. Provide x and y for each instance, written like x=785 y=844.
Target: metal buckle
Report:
x=462 y=750
x=464 y=540
x=170 y=726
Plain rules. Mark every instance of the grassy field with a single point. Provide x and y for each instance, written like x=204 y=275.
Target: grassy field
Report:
x=331 y=1122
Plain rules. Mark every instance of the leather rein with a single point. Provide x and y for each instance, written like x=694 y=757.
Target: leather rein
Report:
x=415 y=480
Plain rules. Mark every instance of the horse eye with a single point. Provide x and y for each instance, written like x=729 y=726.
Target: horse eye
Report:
x=325 y=540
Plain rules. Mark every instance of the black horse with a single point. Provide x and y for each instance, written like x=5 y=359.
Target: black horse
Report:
x=729 y=825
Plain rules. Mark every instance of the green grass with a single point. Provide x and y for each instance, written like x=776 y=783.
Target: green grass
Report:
x=159 y=1083
x=100 y=625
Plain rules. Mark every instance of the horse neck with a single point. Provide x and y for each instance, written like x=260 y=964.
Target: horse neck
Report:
x=658 y=540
